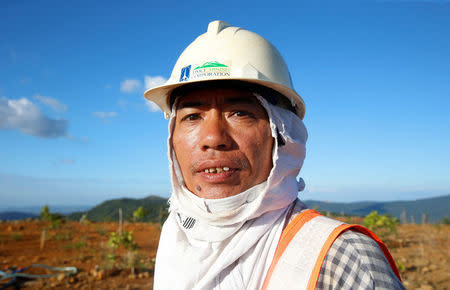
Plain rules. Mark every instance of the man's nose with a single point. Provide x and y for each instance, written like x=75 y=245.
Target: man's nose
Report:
x=215 y=132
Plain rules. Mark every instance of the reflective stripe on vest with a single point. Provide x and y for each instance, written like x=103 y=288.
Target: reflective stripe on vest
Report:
x=303 y=247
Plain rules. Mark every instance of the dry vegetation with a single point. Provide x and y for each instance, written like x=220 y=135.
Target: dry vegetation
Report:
x=421 y=252
x=423 y=255
x=84 y=246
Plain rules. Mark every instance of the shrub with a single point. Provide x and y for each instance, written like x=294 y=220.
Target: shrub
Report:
x=113 y=259
x=400 y=266
x=55 y=219
x=45 y=213
x=140 y=214
x=445 y=221
x=84 y=220
x=382 y=225
x=125 y=239
x=136 y=262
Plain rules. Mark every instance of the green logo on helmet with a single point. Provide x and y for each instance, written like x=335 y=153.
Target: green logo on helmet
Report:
x=210 y=70
x=211 y=64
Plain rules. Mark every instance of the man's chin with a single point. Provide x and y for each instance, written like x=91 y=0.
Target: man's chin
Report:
x=216 y=191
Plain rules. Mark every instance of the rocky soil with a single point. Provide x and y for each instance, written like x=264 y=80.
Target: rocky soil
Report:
x=421 y=251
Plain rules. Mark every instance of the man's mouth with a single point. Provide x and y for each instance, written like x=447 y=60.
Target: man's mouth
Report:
x=217 y=169
x=224 y=170
x=218 y=174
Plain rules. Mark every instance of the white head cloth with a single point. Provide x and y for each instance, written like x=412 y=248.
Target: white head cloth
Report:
x=229 y=243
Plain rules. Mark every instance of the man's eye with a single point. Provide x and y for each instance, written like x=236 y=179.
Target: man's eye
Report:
x=242 y=114
x=191 y=117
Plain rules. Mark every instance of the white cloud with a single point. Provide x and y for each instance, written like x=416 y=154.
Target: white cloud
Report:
x=107 y=87
x=151 y=82
x=152 y=107
x=24 y=115
x=104 y=115
x=84 y=139
x=130 y=86
x=52 y=103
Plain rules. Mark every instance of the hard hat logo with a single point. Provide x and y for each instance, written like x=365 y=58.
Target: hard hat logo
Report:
x=211 y=69
x=185 y=72
x=211 y=64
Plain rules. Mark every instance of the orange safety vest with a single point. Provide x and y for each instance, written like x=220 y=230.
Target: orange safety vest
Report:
x=319 y=237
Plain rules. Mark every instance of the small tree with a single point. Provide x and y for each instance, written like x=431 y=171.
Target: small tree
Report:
x=382 y=225
x=55 y=219
x=140 y=213
x=84 y=220
x=46 y=215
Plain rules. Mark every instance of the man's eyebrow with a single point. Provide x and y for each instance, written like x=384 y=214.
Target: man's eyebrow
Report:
x=192 y=104
x=229 y=101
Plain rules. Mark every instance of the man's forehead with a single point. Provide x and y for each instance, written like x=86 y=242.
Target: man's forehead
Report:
x=204 y=97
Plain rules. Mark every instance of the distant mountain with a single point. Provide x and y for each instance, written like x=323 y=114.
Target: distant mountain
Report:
x=435 y=208
x=62 y=209
x=14 y=215
x=109 y=210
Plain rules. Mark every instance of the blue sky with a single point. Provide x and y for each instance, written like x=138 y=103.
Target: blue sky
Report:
x=75 y=129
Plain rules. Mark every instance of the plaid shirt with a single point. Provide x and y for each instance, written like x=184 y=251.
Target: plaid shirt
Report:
x=355 y=261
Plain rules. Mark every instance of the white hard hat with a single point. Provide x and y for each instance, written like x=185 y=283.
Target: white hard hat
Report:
x=225 y=52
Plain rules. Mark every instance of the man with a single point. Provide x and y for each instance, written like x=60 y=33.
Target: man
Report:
x=236 y=146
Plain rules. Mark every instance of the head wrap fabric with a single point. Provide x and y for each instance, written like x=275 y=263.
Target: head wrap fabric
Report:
x=229 y=243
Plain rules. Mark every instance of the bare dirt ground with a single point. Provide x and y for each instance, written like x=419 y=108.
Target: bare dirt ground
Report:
x=83 y=246
x=421 y=251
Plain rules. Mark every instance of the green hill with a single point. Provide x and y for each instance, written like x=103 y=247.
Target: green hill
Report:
x=14 y=215
x=109 y=210
x=435 y=208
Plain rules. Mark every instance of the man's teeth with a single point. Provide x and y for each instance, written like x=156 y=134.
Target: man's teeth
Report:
x=217 y=169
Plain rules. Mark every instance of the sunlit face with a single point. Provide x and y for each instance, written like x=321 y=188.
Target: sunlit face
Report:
x=222 y=141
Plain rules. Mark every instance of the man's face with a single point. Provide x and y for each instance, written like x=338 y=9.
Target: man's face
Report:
x=222 y=141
